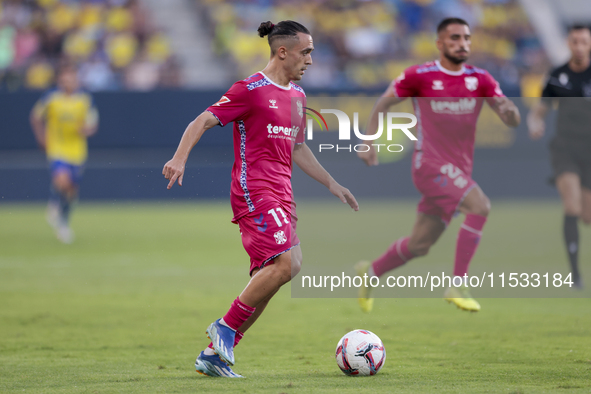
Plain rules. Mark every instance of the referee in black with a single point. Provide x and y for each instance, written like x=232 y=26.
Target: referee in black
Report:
x=570 y=149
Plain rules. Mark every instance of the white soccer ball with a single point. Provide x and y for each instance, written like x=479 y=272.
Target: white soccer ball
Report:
x=360 y=353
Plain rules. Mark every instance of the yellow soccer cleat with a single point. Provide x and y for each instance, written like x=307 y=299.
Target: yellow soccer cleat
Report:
x=461 y=297
x=365 y=301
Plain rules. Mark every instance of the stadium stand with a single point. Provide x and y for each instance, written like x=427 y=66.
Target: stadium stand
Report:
x=115 y=43
x=367 y=44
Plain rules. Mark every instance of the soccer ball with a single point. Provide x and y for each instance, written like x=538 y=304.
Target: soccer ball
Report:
x=360 y=353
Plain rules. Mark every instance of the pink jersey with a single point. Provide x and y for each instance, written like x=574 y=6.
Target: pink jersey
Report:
x=447 y=105
x=264 y=137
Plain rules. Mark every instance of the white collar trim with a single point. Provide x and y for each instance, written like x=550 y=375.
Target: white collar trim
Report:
x=273 y=83
x=448 y=72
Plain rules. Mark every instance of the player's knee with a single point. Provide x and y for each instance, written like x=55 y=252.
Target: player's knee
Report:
x=296 y=261
x=483 y=208
x=282 y=268
x=296 y=267
x=63 y=183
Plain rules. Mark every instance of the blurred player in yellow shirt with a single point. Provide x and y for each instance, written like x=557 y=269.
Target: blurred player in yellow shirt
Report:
x=62 y=120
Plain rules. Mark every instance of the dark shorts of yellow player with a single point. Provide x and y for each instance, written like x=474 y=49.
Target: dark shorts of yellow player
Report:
x=75 y=172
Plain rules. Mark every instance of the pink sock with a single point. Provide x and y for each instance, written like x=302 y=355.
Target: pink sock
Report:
x=468 y=240
x=237 y=339
x=396 y=255
x=239 y=313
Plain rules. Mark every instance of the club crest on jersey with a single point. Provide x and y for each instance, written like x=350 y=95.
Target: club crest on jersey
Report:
x=273 y=104
x=438 y=85
x=280 y=237
x=223 y=100
x=563 y=79
x=300 y=109
x=471 y=83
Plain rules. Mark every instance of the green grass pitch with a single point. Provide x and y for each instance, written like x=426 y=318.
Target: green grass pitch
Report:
x=124 y=309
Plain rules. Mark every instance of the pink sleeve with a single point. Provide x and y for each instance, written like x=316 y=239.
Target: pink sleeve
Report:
x=491 y=87
x=406 y=84
x=233 y=105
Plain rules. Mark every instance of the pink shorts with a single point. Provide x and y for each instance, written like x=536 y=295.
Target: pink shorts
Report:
x=443 y=186
x=268 y=232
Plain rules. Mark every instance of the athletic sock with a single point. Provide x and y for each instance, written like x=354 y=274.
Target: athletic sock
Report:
x=239 y=313
x=65 y=208
x=571 y=240
x=396 y=255
x=54 y=196
x=468 y=240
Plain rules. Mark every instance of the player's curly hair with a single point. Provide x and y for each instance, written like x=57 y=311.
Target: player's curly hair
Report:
x=283 y=29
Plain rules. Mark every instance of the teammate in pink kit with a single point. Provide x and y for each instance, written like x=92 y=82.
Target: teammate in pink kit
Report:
x=447 y=97
x=267 y=111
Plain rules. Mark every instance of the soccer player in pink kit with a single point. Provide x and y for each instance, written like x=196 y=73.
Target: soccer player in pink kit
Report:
x=267 y=111
x=447 y=97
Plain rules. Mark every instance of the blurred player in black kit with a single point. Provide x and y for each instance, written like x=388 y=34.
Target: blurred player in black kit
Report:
x=570 y=149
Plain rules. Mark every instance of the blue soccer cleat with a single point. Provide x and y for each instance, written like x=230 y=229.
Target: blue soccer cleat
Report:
x=213 y=366
x=222 y=338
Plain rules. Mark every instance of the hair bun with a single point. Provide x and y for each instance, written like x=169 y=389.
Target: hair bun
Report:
x=265 y=28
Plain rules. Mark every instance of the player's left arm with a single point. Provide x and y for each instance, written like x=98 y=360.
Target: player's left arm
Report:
x=507 y=111
x=92 y=123
x=502 y=105
x=305 y=159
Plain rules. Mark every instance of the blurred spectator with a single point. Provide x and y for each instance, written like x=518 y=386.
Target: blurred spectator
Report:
x=40 y=75
x=7 y=35
x=170 y=76
x=102 y=37
x=158 y=48
x=61 y=17
x=121 y=49
x=97 y=74
x=143 y=74
x=119 y=19
x=26 y=44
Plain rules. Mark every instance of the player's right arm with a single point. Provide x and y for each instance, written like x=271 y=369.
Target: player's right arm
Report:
x=175 y=169
x=388 y=99
x=234 y=105
x=37 y=119
x=536 y=120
